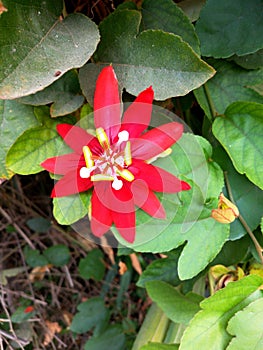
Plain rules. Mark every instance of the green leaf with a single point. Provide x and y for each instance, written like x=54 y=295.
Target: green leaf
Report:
x=36 y=145
x=68 y=210
x=162 y=270
x=208 y=328
x=248 y=197
x=38 y=45
x=240 y=133
x=39 y=224
x=92 y=266
x=152 y=57
x=20 y=315
x=230 y=84
x=167 y=16
x=91 y=314
x=178 y=307
x=159 y=346
x=232 y=252
x=192 y=8
x=63 y=93
x=34 y=258
x=15 y=118
x=246 y=326
x=188 y=214
x=252 y=61
x=226 y=28
x=112 y=339
x=57 y=255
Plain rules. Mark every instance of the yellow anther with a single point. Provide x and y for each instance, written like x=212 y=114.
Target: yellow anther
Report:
x=164 y=154
x=127 y=154
x=101 y=177
x=87 y=155
x=103 y=138
x=125 y=174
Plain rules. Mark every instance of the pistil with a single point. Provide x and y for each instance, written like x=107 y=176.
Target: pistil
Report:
x=112 y=163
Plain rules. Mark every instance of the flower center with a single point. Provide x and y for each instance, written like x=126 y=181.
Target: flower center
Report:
x=112 y=163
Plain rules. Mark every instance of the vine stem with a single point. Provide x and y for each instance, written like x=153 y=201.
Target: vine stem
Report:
x=210 y=102
x=243 y=221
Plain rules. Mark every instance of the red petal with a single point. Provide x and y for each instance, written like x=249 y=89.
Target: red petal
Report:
x=121 y=206
x=158 y=179
x=120 y=201
x=101 y=219
x=146 y=200
x=125 y=223
x=71 y=183
x=107 y=103
x=62 y=164
x=138 y=115
x=74 y=136
x=155 y=141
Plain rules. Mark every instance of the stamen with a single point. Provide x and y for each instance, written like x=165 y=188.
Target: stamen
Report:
x=125 y=174
x=84 y=173
x=163 y=154
x=103 y=138
x=101 y=177
x=127 y=154
x=117 y=184
x=123 y=136
x=87 y=155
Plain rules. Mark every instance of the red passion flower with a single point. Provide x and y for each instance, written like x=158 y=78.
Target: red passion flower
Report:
x=116 y=162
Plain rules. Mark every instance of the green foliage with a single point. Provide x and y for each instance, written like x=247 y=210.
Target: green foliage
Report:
x=230 y=84
x=57 y=255
x=68 y=210
x=246 y=195
x=177 y=307
x=246 y=327
x=161 y=59
x=170 y=19
x=162 y=270
x=112 y=339
x=15 y=118
x=159 y=346
x=154 y=44
x=240 y=133
x=38 y=224
x=34 y=258
x=92 y=266
x=20 y=315
x=34 y=61
x=92 y=314
x=64 y=93
x=227 y=28
x=191 y=156
x=36 y=145
x=209 y=326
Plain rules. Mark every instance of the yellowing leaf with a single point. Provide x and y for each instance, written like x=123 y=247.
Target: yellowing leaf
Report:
x=38 y=273
x=52 y=329
x=226 y=212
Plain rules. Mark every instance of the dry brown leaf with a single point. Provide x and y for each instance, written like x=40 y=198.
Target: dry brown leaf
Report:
x=51 y=330
x=2 y=9
x=107 y=250
x=38 y=273
x=67 y=317
x=122 y=268
x=135 y=263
